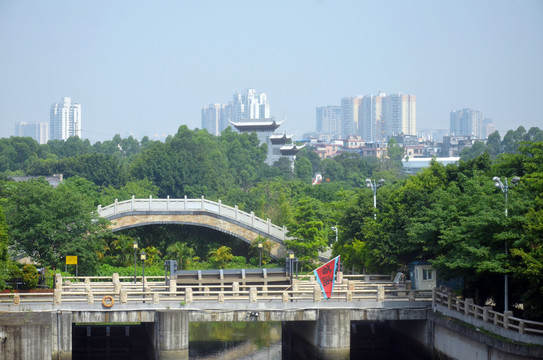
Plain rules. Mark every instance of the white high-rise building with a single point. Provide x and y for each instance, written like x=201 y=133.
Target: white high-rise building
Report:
x=216 y=117
x=65 y=120
x=371 y=117
x=466 y=122
x=38 y=131
x=399 y=114
x=328 y=122
x=250 y=104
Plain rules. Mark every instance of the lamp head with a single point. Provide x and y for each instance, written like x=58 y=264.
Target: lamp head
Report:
x=143 y=255
x=381 y=182
x=291 y=255
x=260 y=245
x=135 y=244
x=515 y=180
x=368 y=182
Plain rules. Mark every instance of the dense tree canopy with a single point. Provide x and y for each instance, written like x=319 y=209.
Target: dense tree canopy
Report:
x=452 y=216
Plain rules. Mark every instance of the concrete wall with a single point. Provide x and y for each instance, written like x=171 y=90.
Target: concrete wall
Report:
x=35 y=335
x=447 y=338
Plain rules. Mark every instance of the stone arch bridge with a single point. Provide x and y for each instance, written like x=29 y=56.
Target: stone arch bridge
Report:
x=200 y=212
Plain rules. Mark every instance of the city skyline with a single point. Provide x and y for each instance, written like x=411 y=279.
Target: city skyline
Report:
x=146 y=70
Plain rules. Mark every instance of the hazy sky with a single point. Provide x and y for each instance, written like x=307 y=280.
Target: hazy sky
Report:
x=145 y=68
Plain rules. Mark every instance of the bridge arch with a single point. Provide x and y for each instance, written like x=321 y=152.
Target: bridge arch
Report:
x=199 y=212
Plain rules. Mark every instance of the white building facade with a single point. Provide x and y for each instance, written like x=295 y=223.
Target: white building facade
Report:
x=65 y=120
x=250 y=104
x=38 y=131
x=466 y=122
x=328 y=122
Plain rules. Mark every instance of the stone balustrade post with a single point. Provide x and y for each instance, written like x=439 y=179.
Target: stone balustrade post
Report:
x=521 y=327
x=221 y=297
x=285 y=296
x=173 y=285
x=411 y=295
x=485 y=313
x=156 y=298
x=90 y=298
x=115 y=278
x=117 y=288
x=264 y=290
x=58 y=281
x=349 y=296
x=317 y=295
x=235 y=288
x=123 y=296
x=206 y=291
x=16 y=299
x=340 y=277
x=87 y=281
x=449 y=301
x=295 y=285
x=57 y=296
x=188 y=295
x=467 y=306
x=506 y=316
x=351 y=285
x=380 y=293
x=252 y=295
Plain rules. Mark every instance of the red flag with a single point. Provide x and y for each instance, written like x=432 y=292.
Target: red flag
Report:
x=326 y=275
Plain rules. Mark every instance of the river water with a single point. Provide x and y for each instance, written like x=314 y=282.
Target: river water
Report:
x=266 y=341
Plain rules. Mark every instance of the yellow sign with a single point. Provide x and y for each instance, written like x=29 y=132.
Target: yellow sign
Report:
x=71 y=260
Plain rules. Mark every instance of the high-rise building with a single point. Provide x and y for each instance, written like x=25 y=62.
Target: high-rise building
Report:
x=399 y=115
x=328 y=122
x=38 y=131
x=466 y=122
x=250 y=104
x=350 y=107
x=487 y=128
x=371 y=117
x=65 y=120
x=216 y=117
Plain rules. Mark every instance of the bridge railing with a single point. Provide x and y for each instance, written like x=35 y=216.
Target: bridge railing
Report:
x=121 y=291
x=486 y=314
x=200 y=205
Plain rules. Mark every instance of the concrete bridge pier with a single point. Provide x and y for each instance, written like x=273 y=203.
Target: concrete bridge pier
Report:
x=333 y=334
x=61 y=335
x=328 y=338
x=173 y=335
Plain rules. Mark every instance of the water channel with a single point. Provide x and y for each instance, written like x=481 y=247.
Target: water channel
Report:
x=239 y=341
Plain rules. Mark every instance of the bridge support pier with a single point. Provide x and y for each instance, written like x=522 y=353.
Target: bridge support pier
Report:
x=333 y=334
x=327 y=338
x=173 y=335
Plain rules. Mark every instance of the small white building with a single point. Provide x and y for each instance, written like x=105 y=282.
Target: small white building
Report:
x=423 y=276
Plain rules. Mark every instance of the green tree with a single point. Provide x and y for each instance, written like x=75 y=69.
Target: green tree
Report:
x=4 y=243
x=183 y=254
x=308 y=232
x=47 y=224
x=303 y=169
x=220 y=257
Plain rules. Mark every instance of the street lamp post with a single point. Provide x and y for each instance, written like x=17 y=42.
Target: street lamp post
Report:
x=143 y=256
x=135 y=246
x=374 y=186
x=504 y=188
x=291 y=264
x=260 y=253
